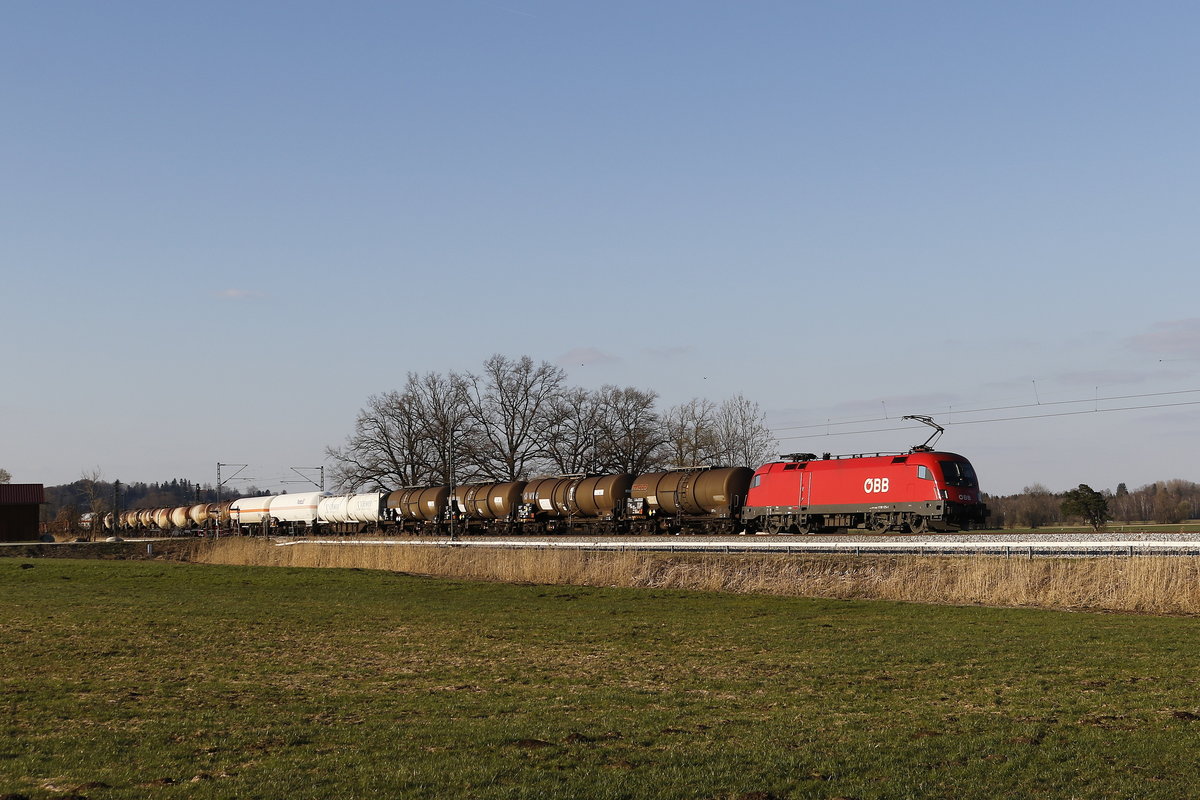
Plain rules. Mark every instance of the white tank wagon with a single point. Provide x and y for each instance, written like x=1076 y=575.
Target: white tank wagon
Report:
x=295 y=510
x=248 y=511
x=366 y=508
x=333 y=510
x=353 y=513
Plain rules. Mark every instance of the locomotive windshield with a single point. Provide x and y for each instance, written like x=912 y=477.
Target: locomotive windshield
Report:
x=959 y=473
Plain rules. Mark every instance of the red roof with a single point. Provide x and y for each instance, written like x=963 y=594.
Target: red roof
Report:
x=20 y=494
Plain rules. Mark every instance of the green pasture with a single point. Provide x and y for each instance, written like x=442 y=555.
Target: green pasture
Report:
x=148 y=679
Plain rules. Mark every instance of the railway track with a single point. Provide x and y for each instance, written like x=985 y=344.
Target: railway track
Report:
x=1010 y=546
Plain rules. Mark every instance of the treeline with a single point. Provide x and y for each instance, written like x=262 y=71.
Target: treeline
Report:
x=1164 y=502
x=516 y=419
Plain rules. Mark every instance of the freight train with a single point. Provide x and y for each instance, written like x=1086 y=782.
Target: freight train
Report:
x=917 y=491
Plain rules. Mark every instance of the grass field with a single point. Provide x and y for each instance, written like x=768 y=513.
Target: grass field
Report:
x=148 y=679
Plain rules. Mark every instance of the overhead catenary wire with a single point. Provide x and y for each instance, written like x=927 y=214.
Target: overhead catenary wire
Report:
x=999 y=419
x=999 y=408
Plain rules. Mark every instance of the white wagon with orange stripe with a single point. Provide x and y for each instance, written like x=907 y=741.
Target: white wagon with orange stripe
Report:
x=295 y=510
x=247 y=511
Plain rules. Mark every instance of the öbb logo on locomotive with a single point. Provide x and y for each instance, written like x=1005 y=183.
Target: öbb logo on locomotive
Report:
x=915 y=491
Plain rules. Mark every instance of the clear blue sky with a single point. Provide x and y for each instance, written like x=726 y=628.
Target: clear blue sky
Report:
x=224 y=224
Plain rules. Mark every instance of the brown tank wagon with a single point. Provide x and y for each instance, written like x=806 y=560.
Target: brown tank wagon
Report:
x=706 y=499
x=488 y=507
x=220 y=513
x=180 y=519
x=572 y=502
x=548 y=498
x=426 y=504
x=198 y=515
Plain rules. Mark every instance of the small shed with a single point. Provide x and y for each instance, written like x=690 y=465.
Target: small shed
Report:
x=19 y=511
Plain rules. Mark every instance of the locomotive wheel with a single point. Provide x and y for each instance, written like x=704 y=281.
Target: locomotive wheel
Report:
x=918 y=524
x=879 y=523
x=803 y=526
x=774 y=525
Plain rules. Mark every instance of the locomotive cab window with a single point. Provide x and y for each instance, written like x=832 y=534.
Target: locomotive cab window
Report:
x=958 y=473
x=924 y=473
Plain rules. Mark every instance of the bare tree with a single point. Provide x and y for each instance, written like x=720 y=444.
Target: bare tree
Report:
x=385 y=448
x=572 y=443
x=690 y=432
x=449 y=430
x=742 y=435
x=511 y=403
x=404 y=438
x=5 y=476
x=94 y=491
x=515 y=417
x=631 y=431
x=1037 y=507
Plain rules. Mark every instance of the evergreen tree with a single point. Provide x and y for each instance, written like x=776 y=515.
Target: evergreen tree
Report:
x=1087 y=503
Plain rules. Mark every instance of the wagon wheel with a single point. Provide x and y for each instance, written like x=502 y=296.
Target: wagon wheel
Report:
x=774 y=525
x=879 y=523
x=918 y=524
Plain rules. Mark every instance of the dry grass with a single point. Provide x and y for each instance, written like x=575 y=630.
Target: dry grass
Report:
x=1142 y=584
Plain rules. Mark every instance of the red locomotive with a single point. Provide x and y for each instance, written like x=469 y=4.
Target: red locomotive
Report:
x=916 y=491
